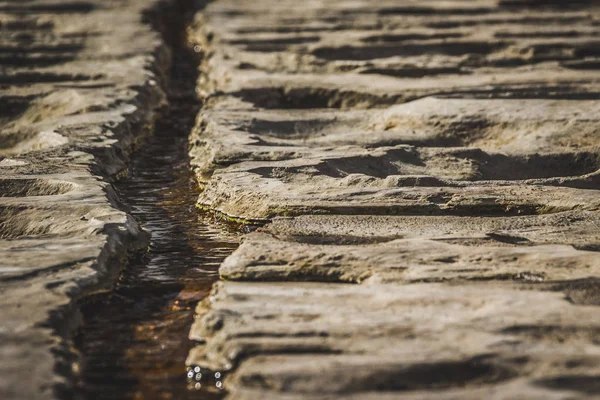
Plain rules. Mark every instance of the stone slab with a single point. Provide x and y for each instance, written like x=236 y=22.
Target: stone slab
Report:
x=293 y=340
x=431 y=169
x=79 y=85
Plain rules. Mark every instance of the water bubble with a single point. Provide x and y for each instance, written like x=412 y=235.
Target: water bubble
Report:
x=197 y=48
x=190 y=374
x=219 y=384
x=198 y=376
x=217 y=375
x=196 y=369
x=197 y=386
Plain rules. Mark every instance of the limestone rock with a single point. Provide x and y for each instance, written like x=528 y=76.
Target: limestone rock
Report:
x=79 y=84
x=294 y=340
x=431 y=169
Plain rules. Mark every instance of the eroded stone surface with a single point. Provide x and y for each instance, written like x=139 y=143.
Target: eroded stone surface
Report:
x=441 y=156
x=555 y=247
x=79 y=83
x=488 y=136
x=290 y=340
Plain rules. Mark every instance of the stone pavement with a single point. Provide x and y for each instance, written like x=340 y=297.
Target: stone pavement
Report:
x=429 y=172
x=79 y=83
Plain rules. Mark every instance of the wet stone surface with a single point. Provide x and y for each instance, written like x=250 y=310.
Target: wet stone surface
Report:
x=429 y=175
x=132 y=342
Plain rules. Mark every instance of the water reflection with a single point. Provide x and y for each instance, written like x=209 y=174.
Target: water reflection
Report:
x=134 y=339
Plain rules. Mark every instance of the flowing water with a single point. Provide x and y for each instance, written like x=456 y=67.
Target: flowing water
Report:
x=133 y=341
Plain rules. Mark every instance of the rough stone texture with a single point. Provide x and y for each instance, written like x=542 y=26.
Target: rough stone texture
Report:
x=298 y=340
x=433 y=168
x=561 y=246
x=79 y=82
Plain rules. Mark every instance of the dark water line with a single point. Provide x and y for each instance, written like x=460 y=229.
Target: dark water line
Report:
x=133 y=343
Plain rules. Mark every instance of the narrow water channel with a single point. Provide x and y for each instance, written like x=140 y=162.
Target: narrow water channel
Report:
x=133 y=341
